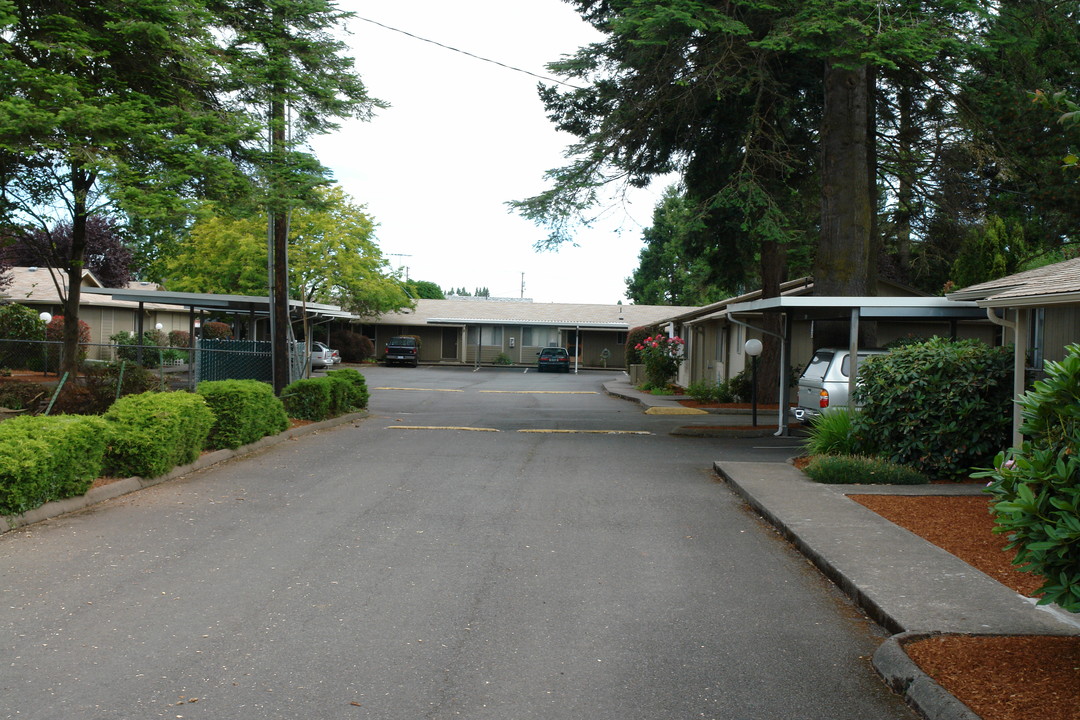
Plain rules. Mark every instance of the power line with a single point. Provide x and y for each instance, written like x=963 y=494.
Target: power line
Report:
x=464 y=52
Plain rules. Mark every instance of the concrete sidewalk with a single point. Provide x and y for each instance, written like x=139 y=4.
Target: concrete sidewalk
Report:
x=908 y=585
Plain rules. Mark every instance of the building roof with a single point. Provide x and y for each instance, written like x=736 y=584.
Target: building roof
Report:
x=472 y=311
x=1055 y=284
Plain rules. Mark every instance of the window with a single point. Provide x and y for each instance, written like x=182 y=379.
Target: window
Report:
x=539 y=336
x=489 y=334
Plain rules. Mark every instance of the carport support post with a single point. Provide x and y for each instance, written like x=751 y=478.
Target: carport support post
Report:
x=853 y=350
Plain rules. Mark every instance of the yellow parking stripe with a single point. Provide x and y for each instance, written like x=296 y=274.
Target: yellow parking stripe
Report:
x=439 y=427
x=421 y=389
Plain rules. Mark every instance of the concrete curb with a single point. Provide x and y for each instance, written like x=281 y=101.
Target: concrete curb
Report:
x=124 y=486
x=922 y=693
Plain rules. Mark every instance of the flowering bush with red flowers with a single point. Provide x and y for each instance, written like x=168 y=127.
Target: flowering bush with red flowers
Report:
x=662 y=356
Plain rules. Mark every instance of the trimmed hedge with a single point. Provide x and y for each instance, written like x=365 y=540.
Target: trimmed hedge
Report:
x=151 y=433
x=48 y=458
x=244 y=411
x=358 y=395
x=307 y=398
x=340 y=392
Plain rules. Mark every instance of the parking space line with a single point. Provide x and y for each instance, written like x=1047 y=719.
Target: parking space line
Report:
x=542 y=392
x=440 y=427
x=420 y=389
x=587 y=432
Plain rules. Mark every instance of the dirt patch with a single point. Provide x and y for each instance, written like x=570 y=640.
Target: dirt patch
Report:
x=1006 y=678
x=999 y=678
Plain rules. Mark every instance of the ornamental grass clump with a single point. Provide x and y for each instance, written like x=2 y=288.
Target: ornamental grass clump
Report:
x=662 y=356
x=830 y=433
x=1036 y=487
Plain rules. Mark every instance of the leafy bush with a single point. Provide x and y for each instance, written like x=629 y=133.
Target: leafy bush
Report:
x=54 y=332
x=740 y=386
x=18 y=322
x=503 y=359
x=151 y=433
x=941 y=407
x=856 y=470
x=1036 y=487
x=179 y=338
x=354 y=347
x=128 y=347
x=635 y=337
x=830 y=433
x=707 y=391
x=244 y=411
x=214 y=330
x=48 y=458
x=662 y=356
x=307 y=399
x=358 y=395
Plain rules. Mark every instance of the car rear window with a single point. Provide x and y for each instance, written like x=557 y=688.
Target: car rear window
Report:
x=403 y=341
x=817 y=366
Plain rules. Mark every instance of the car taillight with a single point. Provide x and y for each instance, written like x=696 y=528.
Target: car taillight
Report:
x=823 y=401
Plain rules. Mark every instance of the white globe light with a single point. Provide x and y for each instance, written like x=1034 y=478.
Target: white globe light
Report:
x=159 y=326
x=46 y=317
x=753 y=347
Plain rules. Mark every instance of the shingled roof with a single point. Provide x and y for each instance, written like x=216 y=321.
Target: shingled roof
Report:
x=472 y=311
x=1048 y=285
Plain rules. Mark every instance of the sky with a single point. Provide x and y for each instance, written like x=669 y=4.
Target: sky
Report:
x=461 y=138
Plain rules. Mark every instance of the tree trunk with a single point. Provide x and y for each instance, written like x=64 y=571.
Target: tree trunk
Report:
x=81 y=182
x=842 y=264
x=773 y=270
x=843 y=255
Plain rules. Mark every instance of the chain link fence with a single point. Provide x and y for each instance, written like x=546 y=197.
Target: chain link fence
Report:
x=177 y=367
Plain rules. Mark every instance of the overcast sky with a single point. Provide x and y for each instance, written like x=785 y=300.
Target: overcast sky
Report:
x=461 y=138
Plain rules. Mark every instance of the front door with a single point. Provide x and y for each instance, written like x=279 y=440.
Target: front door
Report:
x=450 y=343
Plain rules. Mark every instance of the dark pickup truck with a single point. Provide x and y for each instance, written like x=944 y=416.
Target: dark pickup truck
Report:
x=404 y=350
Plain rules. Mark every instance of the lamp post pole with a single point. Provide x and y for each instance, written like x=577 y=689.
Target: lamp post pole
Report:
x=753 y=349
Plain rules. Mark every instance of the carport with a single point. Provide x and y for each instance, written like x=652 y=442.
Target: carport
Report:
x=847 y=309
x=249 y=306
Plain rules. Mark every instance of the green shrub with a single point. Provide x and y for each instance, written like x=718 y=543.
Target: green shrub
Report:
x=358 y=394
x=740 y=386
x=503 y=359
x=151 y=433
x=244 y=411
x=856 y=470
x=1036 y=487
x=941 y=407
x=48 y=458
x=707 y=391
x=830 y=433
x=307 y=399
x=635 y=337
x=18 y=322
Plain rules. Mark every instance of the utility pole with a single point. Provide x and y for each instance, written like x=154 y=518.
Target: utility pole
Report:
x=522 y=286
x=406 y=267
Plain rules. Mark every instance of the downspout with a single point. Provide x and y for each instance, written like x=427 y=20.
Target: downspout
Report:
x=781 y=421
x=1019 y=352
